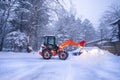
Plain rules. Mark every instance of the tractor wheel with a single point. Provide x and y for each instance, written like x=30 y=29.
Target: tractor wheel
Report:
x=63 y=55
x=46 y=54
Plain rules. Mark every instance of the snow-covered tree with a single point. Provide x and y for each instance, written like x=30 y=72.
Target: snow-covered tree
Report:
x=16 y=41
x=6 y=8
x=105 y=30
x=27 y=16
x=21 y=16
x=111 y=15
x=39 y=18
x=30 y=17
x=89 y=30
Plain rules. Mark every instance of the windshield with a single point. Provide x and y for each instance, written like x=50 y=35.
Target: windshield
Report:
x=51 y=40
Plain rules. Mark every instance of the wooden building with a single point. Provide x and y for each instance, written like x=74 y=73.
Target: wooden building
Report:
x=117 y=22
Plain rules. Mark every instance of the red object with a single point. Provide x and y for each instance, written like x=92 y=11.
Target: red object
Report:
x=82 y=43
x=40 y=53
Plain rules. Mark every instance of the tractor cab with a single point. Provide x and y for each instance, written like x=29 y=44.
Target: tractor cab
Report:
x=50 y=42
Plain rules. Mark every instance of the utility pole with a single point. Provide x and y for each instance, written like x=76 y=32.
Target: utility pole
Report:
x=85 y=35
x=101 y=31
x=119 y=31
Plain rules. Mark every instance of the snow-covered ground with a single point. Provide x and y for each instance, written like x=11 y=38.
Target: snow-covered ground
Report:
x=93 y=64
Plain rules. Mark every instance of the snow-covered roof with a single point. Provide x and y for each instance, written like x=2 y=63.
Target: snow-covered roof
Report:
x=116 y=21
x=97 y=40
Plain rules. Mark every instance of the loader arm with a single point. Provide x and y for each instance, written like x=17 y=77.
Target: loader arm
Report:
x=71 y=43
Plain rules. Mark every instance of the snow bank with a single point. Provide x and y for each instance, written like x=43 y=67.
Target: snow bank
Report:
x=96 y=64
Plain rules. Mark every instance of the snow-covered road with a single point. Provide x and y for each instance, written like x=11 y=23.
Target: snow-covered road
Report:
x=28 y=68
x=92 y=65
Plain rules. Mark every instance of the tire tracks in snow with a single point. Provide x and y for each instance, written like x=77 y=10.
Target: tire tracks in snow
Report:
x=22 y=72
x=70 y=72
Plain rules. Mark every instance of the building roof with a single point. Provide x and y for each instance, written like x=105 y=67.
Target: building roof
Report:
x=117 y=21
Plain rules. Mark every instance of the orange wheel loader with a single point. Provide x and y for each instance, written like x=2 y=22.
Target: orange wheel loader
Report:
x=49 y=47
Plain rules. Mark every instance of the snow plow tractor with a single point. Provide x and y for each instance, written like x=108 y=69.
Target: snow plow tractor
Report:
x=49 y=47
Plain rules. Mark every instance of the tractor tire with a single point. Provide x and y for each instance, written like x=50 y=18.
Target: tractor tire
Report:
x=46 y=54
x=63 y=55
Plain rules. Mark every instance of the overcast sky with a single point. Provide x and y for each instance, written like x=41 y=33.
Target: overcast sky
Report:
x=92 y=9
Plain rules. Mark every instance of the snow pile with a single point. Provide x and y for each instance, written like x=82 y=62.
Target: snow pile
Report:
x=96 y=64
x=92 y=64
